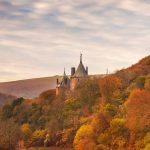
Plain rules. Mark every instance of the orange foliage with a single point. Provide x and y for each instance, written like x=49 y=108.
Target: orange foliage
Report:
x=142 y=67
x=139 y=69
x=110 y=87
x=138 y=111
x=86 y=144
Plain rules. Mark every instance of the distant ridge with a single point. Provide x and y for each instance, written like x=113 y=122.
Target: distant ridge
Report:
x=28 y=88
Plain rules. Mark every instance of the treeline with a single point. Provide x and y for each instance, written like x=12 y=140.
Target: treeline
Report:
x=109 y=113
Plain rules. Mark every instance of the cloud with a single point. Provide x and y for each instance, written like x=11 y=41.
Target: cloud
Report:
x=38 y=38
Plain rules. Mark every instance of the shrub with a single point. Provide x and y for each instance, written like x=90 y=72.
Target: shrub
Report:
x=38 y=137
x=84 y=134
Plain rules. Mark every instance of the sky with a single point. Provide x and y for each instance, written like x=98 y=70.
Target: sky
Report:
x=38 y=38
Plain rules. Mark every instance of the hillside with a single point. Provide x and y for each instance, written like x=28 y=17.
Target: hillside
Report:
x=4 y=98
x=139 y=69
x=105 y=113
x=142 y=68
x=28 y=88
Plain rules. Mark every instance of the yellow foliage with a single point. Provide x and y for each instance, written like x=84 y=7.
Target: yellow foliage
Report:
x=147 y=147
x=39 y=134
x=120 y=142
x=26 y=131
x=147 y=138
x=85 y=132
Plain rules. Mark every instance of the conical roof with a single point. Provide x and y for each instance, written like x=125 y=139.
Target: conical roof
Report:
x=81 y=69
x=65 y=79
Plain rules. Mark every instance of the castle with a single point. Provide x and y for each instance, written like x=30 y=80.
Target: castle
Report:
x=67 y=83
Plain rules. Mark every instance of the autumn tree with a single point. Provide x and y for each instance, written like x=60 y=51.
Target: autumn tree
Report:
x=138 y=113
x=138 y=109
x=9 y=135
x=38 y=137
x=110 y=87
x=116 y=136
x=147 y=84
x=6 y=112
x=99 y=124
x=84 y=138
x=26 y=131
x=87 y=92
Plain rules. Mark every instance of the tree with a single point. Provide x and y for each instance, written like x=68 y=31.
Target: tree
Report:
x=17 y=102
x=67 y=136
x=87 y=92
x=111 y=109
x=9 y=135
x=99 y=124
x=110 y=87
x=147 y=147
x=48 y=96
x=138 y=112
x=6 y=112
x=147 y=84
x=26 y=131
x=38 y=137
x=140 y=81
x=86 y=144
x=116 y=136
x=84 y=134
x=147 y=141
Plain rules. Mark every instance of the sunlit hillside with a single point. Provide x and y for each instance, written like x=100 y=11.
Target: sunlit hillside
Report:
x=28 y=88
x=101 y=113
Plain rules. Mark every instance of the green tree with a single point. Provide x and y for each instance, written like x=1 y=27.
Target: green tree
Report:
x=17 y=102
x=87 y=92
x=6 y=112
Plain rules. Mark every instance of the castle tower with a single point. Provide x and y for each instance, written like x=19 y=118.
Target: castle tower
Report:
x=63 y=85
x=80 y=74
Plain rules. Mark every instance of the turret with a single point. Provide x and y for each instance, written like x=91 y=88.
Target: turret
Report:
x=86 y=70
x=57 y=81
x=73 y=70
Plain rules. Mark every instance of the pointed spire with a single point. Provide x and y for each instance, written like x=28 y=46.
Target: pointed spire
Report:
x=80 y=57
x=64 y=71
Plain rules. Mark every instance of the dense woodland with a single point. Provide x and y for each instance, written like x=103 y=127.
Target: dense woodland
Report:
x=109 y=113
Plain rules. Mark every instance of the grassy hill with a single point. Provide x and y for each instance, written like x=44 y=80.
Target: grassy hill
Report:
x=29 y=88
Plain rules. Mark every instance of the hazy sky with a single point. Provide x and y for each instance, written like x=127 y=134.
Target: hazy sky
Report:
x=39 y=37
